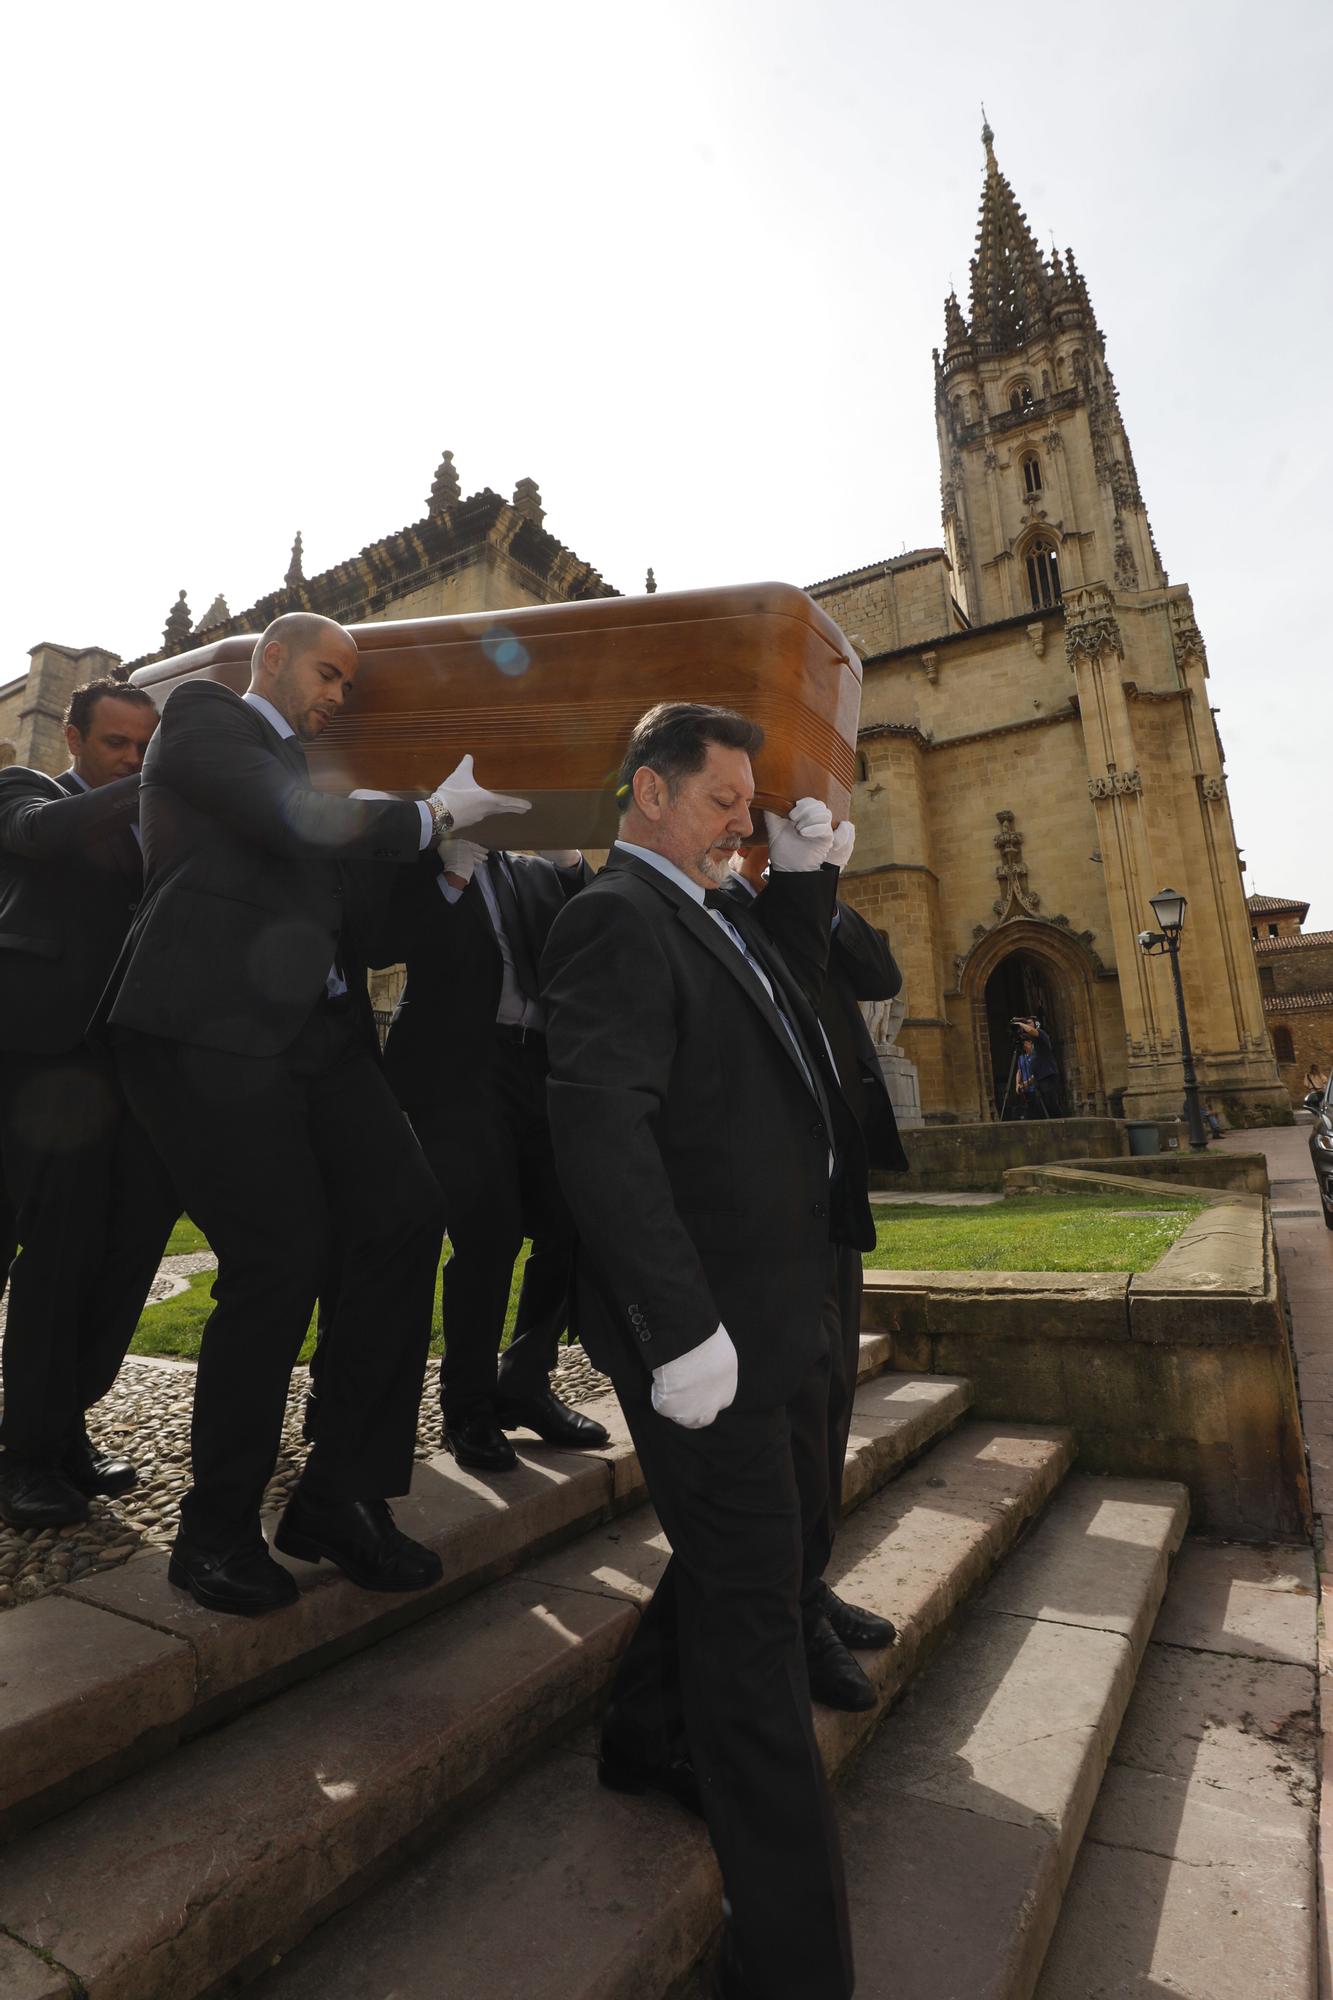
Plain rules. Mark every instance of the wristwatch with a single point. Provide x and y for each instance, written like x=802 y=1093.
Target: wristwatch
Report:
x=441 y=819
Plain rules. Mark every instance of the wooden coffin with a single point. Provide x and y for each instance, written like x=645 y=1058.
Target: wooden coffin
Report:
x=545 y=698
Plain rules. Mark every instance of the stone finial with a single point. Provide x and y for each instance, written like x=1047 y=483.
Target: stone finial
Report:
x=528 y=502
x=955 y=326
x=216 y=614
x=988 y=141
x=650 y=583
x=179 y=625
x=295 y=570
x=445 y=490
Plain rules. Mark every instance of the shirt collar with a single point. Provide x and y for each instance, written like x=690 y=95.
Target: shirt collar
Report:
x=269 y=713
x=81 y=782
x=664 y=867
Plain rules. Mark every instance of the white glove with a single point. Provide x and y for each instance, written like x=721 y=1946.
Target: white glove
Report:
x=562 y=857
x=461 y=858
x=695 y=1388
x=799 y=844
x=844 y=840
x=467 y=802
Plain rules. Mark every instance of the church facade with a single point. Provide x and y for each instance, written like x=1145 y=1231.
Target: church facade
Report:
x=1037 y=753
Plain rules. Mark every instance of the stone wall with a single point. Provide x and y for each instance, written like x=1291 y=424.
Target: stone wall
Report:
x=975 y=1156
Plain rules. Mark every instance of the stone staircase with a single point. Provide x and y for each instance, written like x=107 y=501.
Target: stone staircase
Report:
x=370 y=1799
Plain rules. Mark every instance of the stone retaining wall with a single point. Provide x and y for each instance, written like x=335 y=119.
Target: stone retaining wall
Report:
x=957 y=1157
x=1182 y=1372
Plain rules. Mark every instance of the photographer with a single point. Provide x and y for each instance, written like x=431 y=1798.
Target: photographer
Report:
x=1036 y=1084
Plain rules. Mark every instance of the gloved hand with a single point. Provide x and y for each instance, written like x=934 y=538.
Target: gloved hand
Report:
x=844 y=840
x=461 y=858
x=696 y=1387
x=799 y=844
x=562 y=857
x=469 y=802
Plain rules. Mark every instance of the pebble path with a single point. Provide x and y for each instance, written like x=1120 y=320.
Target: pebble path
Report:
x=146 y=1417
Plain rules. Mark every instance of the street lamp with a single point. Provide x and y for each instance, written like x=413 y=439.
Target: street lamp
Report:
x=1169 y=909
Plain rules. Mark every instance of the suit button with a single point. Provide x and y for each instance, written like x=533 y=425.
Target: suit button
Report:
x=644 y=1335
x=816 y=1130
x=820 y=1208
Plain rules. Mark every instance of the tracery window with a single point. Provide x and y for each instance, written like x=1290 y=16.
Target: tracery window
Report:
x=1020 y=396
x=1031 y=474
x=1043 y=564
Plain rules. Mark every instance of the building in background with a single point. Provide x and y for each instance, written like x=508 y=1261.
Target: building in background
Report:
x=1296 y=983
x=1037 y=752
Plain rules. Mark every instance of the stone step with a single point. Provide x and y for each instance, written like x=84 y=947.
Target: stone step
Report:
x=234 y=1846
x=557 y=1890
x=987 y=1773
x=108 y=1674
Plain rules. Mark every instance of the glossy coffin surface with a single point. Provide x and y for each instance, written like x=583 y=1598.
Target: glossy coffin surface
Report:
x=545 y=698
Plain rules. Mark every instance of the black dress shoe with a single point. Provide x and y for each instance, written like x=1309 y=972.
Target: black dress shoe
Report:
x=554 y=1422
x=360 y=1536
x=480 y=1443
x=836 y=1678
x=94 y=1471
x=243 y=1580
x=35 y=1495
x=621 y=1771
x=856 y=1627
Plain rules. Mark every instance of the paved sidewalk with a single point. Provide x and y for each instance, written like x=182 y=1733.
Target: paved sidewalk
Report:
x=1305 y=1249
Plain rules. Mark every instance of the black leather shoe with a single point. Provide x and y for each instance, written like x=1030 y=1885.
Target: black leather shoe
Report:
x=360 y=1536
x=863 y=1630
x=33 y=1495
x=94 y=1471
x=479 y=1442
x=620 y=1771
x=244 y=1580
x=554 y=1422
x=836 y=1678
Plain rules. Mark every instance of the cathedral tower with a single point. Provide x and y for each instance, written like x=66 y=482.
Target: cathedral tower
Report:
x=1038 y=481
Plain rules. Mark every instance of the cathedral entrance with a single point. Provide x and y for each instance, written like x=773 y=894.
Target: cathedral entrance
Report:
x=1021 y=985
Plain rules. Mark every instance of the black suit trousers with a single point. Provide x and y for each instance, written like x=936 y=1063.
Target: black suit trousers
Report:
x=279 y=1159
x=718 y=1663
x=92 y=1207
x=489 y=1147
x=842 y=1317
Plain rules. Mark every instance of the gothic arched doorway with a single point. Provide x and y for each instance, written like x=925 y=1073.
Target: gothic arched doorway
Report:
x=1027 y=967
x=1022 y=985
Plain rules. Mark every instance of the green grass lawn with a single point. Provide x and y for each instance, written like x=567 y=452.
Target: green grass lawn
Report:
x=174 y=1326
x=1113 y=1232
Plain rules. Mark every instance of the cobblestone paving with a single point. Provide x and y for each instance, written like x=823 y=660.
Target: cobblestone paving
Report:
x=147 y=1417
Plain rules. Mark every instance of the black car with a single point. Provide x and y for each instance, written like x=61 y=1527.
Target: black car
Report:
x=1321 y=1146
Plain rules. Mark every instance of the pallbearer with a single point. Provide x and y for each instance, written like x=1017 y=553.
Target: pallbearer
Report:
x=246 y=1047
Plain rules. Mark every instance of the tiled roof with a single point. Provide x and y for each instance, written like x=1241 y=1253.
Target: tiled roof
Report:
x=1267 y=906
x=1297 y=1003
x=1293 y=943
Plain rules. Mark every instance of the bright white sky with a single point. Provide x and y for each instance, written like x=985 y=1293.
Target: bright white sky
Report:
x=684 y=265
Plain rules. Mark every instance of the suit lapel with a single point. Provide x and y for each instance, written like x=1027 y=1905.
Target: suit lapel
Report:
x=702 y=926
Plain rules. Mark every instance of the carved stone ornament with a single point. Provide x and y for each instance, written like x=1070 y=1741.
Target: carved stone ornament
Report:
x=1015 y=897
x=1116 y=784
x=1037 y=639
x=1186 y=638
x=1090 y=625
x=1214 y=789
x=930 y=661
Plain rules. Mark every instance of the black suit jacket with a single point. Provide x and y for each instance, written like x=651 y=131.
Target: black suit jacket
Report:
x=71 y=876
x=691 y=1147
x=254 y=882
x=454 y=967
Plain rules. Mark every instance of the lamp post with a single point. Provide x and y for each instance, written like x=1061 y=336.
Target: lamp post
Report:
x=1169 y=909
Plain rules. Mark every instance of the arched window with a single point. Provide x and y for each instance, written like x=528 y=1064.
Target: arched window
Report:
x=1020 y=396
x=862 y=768
x=1282 y=1047
x=1043 y=575
x=1032 y=473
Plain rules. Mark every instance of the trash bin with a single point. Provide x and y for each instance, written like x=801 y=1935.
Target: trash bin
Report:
x=1144 y=1136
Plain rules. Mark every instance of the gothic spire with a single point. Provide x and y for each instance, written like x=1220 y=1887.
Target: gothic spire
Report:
x=176 y=632
x=1011 y=284
x=295 y=568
